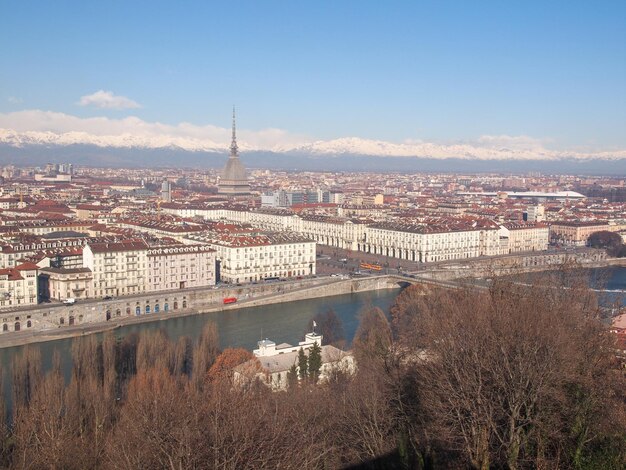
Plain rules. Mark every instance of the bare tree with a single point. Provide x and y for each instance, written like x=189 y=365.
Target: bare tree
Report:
x=41 y=431
x=372 y=339
x=5 y=431
x=158 y=425
x=205 y=353
x=183 y=356
x=500 y=363
x=330 y=326
x=154 y=350
x=26 y=376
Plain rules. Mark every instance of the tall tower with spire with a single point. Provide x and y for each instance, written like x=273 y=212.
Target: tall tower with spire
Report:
x=234 y=180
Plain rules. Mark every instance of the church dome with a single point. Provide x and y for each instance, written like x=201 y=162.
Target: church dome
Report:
x=234 y=171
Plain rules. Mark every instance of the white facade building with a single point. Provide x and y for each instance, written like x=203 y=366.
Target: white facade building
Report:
x=180 y=267
x=254 y=257
x=418 y=240
x=119 y=268
x=519 y=237
x=66 y=283
x=18 y=286
x=425 y=242
x=275 y=361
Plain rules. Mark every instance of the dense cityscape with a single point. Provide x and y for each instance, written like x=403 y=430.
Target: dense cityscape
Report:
x=86 y=249
x=351 y=235
x=70 y=234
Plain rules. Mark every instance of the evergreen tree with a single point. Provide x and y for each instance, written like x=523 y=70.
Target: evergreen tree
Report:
x=302 y=364
x=292 y=377
x=315 y=362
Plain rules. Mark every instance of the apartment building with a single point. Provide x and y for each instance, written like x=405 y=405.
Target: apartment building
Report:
x=180 y=267
x=431 y=242
x=18 y=286
x=519 y=237
x=442 y=244
x=12 y=252
x=254 y=257
x=65 y=283
x=577 y=232
x=333 y=231
x=119 y=268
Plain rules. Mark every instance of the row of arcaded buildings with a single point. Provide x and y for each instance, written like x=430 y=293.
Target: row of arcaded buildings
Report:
x=426 y=239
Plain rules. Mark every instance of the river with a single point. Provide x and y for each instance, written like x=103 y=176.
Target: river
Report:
x=609 y=283
x=285 y=322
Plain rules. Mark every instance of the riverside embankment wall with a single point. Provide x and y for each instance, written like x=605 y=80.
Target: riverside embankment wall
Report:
x=160 y=305
x=347 y=286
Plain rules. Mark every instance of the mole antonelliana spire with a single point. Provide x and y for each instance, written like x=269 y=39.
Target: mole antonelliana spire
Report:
x=234 y=180
x=233 y=144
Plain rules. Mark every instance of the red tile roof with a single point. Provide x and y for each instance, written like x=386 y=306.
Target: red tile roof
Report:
x=27 y=267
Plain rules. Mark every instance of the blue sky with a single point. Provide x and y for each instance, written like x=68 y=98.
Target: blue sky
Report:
x=437 y=71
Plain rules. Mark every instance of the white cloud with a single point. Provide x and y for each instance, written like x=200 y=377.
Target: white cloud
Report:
x=14 y=100
x=107 y=100
x=52 y=128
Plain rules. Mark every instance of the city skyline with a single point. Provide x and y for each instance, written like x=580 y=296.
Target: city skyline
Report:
x=431 y=192
x=429 y=80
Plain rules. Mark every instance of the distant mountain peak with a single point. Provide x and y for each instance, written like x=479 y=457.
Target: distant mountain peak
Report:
x=487 y=149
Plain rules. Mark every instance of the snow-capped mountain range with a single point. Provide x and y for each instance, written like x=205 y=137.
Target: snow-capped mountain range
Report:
x=489 y=150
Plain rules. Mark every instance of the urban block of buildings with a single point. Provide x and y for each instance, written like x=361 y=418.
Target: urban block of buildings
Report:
x=95 y=233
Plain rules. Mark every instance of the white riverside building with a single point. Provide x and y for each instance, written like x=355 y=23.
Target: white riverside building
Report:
x=133 y=267
x=276 y=360
x=425 y=240
x=520 y=237
x=118 y=268
x=254 y=257
x=180 y=267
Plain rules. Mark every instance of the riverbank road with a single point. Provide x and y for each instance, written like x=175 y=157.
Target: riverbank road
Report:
x=247 y=295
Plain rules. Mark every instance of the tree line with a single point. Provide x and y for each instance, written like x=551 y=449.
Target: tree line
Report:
x=610 y=241
x=511 y=376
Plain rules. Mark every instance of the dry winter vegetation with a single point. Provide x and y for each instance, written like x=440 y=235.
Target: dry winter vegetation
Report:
x=513 y=376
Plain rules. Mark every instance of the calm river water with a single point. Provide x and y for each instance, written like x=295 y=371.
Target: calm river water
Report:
x=284 y=322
